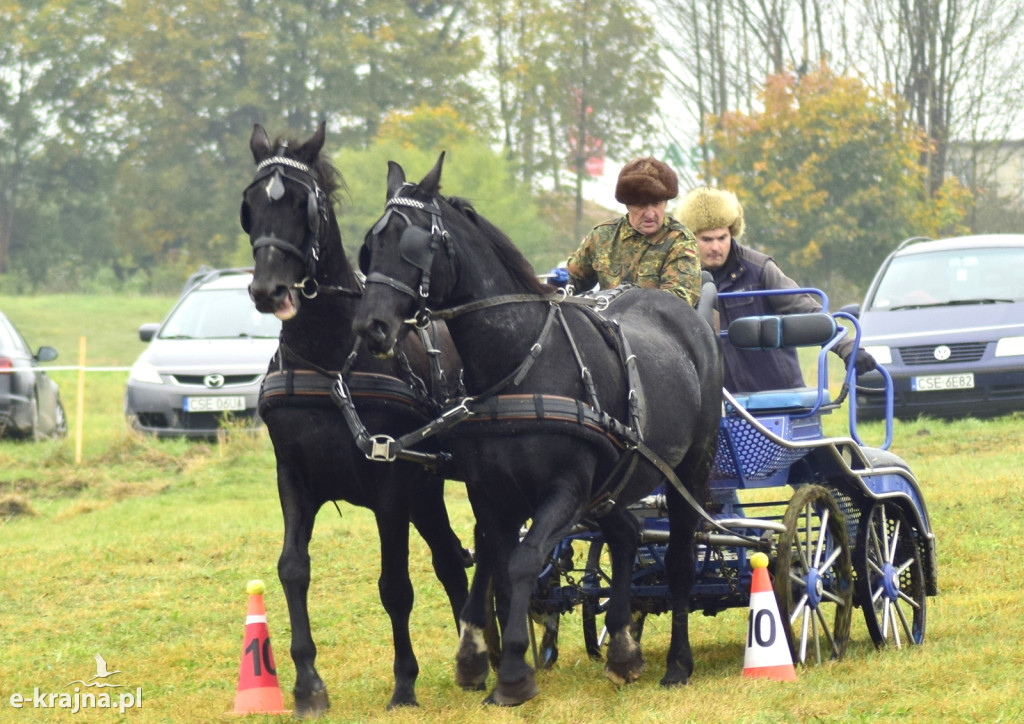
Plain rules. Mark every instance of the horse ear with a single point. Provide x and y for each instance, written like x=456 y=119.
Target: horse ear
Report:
x=259 y=143
x=431 y=183
x=309 y=150
x=396 y=177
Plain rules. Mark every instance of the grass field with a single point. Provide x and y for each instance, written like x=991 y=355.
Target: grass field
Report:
x=142 y=553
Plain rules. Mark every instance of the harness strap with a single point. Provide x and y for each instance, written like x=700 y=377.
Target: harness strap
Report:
x=516 y=376
x=588 y=380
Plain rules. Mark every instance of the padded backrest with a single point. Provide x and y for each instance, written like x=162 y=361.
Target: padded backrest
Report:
x=789 y=330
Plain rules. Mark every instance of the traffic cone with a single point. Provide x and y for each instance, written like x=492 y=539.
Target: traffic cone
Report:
x=258 y=690
x=767 y=655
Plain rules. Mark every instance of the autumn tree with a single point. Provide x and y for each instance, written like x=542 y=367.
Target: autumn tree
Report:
x=828 y=177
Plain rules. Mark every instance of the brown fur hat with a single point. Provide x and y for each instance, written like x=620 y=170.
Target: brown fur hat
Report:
x=646 y=181
x=706 y=208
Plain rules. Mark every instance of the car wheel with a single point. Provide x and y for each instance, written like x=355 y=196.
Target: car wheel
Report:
x=60 y=422
x=33 y=432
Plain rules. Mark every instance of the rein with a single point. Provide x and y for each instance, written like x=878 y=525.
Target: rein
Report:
x=418 y=248
x=490 y=406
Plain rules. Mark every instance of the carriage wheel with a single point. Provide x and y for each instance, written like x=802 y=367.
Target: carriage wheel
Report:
x=890 y=578
x=814 y=577
x=596 y=581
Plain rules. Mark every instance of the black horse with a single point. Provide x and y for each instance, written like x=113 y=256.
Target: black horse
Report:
x=301 y=275
x=556 y=426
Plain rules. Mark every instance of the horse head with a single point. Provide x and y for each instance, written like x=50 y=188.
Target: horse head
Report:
x=399 y=256
x=413 y=255
x=287 y=212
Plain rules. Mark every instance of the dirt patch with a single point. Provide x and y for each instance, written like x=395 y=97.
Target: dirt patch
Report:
x=13 y=506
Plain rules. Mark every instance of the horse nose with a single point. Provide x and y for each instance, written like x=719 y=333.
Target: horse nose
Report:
x=377 y=334
x=267 y=297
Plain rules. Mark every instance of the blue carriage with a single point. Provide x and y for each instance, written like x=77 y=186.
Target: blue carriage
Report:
x=844 y=524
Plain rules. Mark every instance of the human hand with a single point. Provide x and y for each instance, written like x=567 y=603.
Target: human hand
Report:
x=559 y=276
x=863 y=361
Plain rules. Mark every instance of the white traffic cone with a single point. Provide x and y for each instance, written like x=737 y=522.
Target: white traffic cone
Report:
x=767 y=655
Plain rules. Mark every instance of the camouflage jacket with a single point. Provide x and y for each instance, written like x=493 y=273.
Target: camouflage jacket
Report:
x=615 y=253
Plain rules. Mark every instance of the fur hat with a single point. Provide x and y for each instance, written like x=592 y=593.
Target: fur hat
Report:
x=646 y=181
x=707 y=208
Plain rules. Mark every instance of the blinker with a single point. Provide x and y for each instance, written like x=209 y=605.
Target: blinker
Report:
x=416 y=248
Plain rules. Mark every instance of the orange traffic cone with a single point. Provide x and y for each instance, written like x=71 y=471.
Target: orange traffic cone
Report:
x=767 y=654
x=258 y=690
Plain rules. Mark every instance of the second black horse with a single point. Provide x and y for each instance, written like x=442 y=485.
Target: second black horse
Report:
x=570 y=413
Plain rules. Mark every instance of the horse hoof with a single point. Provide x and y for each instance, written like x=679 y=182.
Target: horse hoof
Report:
x=623 y=674
x=313 y=706
x=397 y=703
x=676 y=675
x=625 y=662
x=513 y=694
x=471 y=671
x=671 y=681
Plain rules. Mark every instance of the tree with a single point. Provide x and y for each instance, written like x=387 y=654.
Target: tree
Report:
x=956 y=63
x=571 y=75
x=472 y=170
x=828 y=177
x=54 y=126
x=187 y=122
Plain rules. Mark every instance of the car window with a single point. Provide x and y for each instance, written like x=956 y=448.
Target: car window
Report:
x=11 y=340
x=219 y=314
x=951 y=277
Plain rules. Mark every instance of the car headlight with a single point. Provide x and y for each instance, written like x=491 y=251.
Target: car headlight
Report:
x=1010 y=347
x=145 y=372
x=881 y=353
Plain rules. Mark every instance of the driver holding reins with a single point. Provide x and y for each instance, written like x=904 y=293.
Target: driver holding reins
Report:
x=645 y=247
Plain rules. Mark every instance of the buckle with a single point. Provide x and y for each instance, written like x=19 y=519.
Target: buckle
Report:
x=382 y=449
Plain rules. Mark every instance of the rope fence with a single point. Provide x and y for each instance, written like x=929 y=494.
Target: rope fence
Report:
x=80 y=390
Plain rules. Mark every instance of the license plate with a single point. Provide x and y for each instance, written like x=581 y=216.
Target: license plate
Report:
x=943 y=382
x=213 y=404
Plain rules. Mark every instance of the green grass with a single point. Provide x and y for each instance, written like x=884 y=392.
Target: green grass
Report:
x=143 y=551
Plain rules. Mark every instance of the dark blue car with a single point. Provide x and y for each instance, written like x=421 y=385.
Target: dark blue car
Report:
x=946 y=319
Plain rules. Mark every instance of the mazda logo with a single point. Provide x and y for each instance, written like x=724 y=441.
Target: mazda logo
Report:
x=214 y=381
x=942 y=353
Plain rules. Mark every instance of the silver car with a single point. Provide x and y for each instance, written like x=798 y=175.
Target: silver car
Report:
x=205 y=362
x=30 y=405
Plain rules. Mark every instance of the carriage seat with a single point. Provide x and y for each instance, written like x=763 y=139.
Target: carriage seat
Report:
x=776 y=332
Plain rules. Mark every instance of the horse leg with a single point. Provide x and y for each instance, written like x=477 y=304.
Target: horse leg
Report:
x=430 y=516
x=396 y=594
x=516 y=678
x=625 y=658
x=680 y=568
x=477 y=630
x=293 y=570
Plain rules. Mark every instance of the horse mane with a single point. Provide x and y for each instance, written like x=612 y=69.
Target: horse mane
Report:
x=328 y=177
x=509 y=254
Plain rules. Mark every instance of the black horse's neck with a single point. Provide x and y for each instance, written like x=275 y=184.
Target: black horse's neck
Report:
x=494 y=340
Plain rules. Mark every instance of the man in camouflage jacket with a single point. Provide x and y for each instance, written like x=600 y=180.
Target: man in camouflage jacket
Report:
x=646 y=247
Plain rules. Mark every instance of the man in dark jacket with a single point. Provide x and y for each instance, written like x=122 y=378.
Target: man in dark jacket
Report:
x=715 y=216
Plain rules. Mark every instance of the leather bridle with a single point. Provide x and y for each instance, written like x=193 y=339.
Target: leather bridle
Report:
x=272 y=172
x=417 y=247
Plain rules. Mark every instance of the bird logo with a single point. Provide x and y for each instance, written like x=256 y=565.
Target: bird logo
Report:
x=101 y=673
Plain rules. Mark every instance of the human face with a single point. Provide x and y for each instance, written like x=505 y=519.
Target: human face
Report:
x=713 y=246
x=646 y=218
